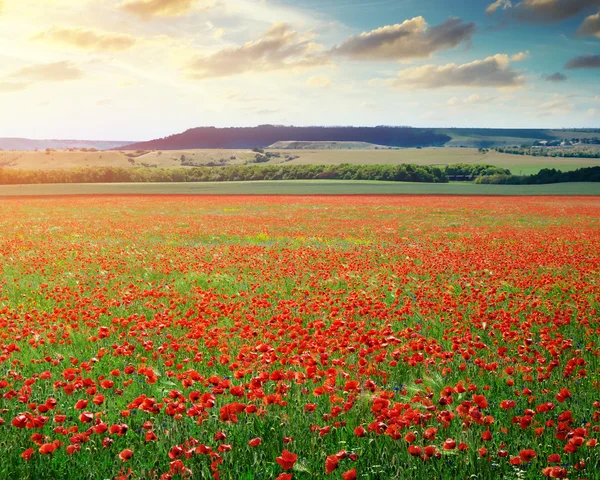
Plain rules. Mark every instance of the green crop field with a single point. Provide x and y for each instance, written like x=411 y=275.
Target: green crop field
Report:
x=300 y=187
x=517 y=164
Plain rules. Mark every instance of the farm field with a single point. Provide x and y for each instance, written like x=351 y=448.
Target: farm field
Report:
x=62 y=159
x=263 y=337
x=517 y=164
x=299 y=187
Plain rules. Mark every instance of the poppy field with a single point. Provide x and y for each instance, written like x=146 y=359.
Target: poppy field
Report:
x=273 y=337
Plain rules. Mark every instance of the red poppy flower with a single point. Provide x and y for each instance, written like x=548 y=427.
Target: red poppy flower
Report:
x=287 y=460
x=126 y=454
x=331 y=463
x=414 y=450
x=527 y=455
x=48 y=448
x=26 y=455
x=349 y=475
x=449 y=444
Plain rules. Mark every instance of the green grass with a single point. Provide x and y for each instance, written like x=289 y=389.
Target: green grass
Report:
x=517 y=164
x=301 y=187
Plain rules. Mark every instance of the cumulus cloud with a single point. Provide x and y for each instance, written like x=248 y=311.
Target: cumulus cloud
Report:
x=477 y=99
x=9 y=87
x=88 y=39
x=519 y=57
x=147 y=9
x=498 y=4
x=555 y=77
x=492 y=72
x=544 y=11
x=590 y=26
x=474 y=99
x=319 y=82
x=281 y=48
x=583 y=62
x=411 y=39
x=555 y=105
x=49 y=72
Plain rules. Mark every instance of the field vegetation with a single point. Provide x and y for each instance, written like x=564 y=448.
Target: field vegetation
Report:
x=241 y=337
x=300 y=187
x=65 y=159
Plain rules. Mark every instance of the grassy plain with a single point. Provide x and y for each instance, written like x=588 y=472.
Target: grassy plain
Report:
x=172 y=158
x=517 y=164
x=300 y=187
x=64 y=159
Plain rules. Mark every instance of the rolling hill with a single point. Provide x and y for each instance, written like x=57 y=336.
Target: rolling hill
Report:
x=348 y=137
x=265 y=135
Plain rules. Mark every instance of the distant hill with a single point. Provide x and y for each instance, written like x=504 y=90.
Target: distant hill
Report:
x=265 y=135
x=27 y=144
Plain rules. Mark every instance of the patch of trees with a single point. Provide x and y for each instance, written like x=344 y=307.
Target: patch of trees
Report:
x=136 y=154
x=263 y=157
x=569 y=152
x=467 y=171
x=544 y=176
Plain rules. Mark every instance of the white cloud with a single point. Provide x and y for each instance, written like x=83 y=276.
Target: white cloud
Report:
x=319 y=82
x=411 y=39
x=555 y=105
x=281 y=48
x=148 y=9
x=503 y=4
x=519 y=57
x=590 y=26
x=49 y=72
x=544 y=11
x=88 y=39
x=493 y=72
x=593 y=112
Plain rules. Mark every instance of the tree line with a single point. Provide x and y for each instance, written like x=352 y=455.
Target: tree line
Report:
x=398 y=173
x=544 y=176
x=570 y=152
x=394 y=173
x=484 y=174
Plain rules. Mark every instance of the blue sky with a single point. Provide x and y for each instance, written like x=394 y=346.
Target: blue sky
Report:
x=140 y=69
